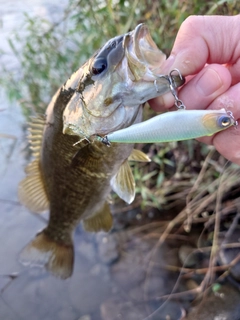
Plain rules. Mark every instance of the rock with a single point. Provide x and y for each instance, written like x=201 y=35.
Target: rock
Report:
x=188 y=256
x=85 y=317
x=227 y=255
x=120 y=310
x=222 y=304
x=108 y=250
x=128 y=273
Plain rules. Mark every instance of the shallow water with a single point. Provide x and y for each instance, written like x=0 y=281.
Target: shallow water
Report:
x=31 y=293
x=112 y=279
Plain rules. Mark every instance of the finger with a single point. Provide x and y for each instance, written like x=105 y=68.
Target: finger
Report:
x=228 y=142
x=206 y=39
x=200 y=91
x=205 y=87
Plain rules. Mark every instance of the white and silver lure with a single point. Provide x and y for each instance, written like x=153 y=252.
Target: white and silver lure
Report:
x=174 y=126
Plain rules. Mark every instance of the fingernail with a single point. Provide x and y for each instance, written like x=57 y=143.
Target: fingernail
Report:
x=209 y=82
x=168 y=63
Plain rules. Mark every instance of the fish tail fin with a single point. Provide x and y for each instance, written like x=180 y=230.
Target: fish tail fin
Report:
x=43 y=251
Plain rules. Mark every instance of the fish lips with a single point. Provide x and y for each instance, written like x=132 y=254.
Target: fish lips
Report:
x=143 y=55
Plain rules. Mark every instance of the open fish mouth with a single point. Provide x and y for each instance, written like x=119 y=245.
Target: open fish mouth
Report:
x=111 y=88
x=143 y=55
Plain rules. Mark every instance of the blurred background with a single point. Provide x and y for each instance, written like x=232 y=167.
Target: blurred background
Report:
x=161 y=260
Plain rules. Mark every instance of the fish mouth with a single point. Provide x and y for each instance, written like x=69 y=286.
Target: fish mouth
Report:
x=143 y=55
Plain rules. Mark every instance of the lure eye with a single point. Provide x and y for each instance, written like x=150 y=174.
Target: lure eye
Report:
x=224 y=121
x=99 y=66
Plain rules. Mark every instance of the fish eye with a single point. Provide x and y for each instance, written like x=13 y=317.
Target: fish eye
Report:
x=99 y=66
x=224 y=121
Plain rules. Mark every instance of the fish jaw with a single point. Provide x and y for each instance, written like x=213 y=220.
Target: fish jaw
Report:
x=143 y=55
x=102 y=102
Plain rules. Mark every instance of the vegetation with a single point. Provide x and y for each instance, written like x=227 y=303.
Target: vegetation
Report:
x=50 y=52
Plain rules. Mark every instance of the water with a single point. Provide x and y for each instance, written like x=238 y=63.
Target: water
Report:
x=96 y=291
x=112 y=279
x=34 y=294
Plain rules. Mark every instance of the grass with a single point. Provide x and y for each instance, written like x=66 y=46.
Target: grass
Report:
x=188 y=176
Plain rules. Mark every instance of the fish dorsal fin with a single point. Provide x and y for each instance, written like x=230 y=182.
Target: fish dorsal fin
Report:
x=101 y=220
x=123 y=183
x=138 y=155
x=31 y=191
x=36 y=127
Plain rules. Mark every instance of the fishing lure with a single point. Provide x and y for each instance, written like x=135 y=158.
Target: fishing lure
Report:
x=174 y=126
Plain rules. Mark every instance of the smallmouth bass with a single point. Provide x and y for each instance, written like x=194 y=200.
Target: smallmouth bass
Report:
x=73 y=173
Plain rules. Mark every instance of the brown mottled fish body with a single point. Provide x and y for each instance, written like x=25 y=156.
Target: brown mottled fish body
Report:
x=77 y=178
x=73 y=172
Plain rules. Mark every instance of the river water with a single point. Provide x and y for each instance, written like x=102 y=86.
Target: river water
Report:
x=111 y=279
x=96 y=291
x=29 y=293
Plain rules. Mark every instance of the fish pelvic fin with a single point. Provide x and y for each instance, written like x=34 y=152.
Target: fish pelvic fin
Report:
x=56 y=258
x=138 y=155
x=31 y=190
x=123 y=183
x=101 y=221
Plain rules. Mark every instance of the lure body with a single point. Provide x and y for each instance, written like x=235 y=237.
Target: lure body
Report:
x=174 y=126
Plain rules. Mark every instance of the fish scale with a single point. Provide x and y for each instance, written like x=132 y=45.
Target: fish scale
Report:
x=73 y=173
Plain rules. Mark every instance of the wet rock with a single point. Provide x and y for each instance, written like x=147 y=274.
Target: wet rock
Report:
x=137 y=293
x=87 y=249
x=222 y=304
x=66 y=313
x=188 y=256
x=127 y=272
x=86 y=317
x=227 y=255
x=119 y=310
x=108 y=249
x=128 y=310
x=89 y=290
x=155 y=286
x=168 y=310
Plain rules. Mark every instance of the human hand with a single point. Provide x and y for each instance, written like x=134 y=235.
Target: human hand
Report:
x=207 y=53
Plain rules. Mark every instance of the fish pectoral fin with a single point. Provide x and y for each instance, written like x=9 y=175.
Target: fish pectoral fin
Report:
x=123 y=183
x=31 y=191
x=101 y=220
x=43 y=251
x=138 y=155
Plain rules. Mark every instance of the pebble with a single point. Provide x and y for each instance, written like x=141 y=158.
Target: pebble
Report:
x=227 y=255
x=108 y=249
x=221 y=305
x=120 y=310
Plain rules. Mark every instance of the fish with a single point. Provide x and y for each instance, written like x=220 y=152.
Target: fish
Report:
x=174 y=126
x=72 y=173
